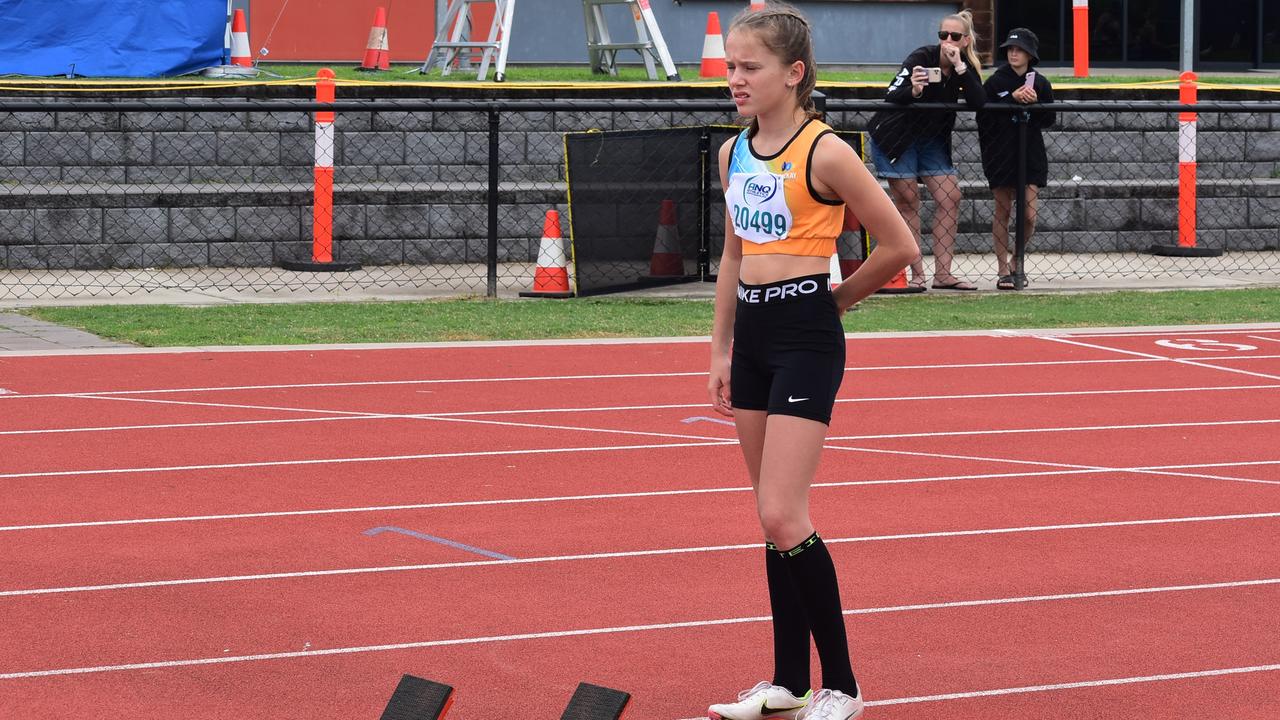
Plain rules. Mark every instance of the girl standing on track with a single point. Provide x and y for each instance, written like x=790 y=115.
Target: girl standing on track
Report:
x=777 y=349
x=909 y=147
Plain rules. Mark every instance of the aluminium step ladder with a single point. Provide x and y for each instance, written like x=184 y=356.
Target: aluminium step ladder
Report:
x=450 y=47
x=602 y=52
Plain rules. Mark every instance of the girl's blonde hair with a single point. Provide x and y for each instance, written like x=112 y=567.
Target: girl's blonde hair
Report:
x=786 y=33
x=965 y=17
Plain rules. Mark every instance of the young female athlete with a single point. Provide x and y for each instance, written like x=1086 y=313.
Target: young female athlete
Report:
x=777 y=349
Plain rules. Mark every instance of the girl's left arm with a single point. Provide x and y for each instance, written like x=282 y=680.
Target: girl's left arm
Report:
x=838 y=170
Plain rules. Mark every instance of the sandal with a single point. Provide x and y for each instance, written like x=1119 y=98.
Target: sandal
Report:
x=1006 y=282
x=955 y=284
x=917 y=282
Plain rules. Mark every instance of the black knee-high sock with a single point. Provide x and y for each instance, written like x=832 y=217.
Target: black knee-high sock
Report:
x=790 y=629
x=815 y=580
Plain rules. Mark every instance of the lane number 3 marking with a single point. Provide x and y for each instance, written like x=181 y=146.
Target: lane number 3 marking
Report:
x=1204 y=345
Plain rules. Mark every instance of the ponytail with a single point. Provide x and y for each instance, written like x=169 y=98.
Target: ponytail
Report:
x=965 y=17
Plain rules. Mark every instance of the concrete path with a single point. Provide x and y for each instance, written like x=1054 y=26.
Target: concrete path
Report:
x=19 y=333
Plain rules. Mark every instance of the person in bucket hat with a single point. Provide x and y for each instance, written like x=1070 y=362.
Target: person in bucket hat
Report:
x=1014 y=82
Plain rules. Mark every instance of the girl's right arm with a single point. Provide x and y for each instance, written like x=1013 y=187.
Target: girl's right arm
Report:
x=726 y=304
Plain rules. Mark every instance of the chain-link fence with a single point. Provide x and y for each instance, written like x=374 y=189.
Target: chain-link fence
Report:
x=107 y=198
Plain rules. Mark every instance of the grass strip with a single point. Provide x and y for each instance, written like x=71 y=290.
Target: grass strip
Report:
x=484 y=319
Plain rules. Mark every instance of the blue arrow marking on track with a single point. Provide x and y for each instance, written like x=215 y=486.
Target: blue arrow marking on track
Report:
x=442 y=541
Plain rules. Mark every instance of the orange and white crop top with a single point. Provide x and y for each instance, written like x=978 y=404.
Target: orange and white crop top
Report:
x=772 y=203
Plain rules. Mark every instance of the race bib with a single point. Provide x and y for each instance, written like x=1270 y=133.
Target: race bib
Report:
x=758 y=207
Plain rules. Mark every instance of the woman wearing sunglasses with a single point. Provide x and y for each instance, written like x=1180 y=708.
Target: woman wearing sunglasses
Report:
x=910 y=147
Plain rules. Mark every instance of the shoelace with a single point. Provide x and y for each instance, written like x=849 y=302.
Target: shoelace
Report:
x=759 y=688
x=822 y=706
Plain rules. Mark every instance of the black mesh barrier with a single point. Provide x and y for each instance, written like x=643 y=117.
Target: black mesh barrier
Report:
x=430 y=197
x=636 y=199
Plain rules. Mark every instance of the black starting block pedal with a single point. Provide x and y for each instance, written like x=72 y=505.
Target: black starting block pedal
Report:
x=418 y=699
x=593 y=702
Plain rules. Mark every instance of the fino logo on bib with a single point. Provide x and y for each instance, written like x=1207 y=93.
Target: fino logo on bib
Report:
x=759 y=188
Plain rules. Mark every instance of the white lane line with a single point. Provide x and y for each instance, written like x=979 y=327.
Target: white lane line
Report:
x=629 y=629
x=630 y=554
x=1141 y=469
x=548 y=378
x=1180 y=361
x=1071 y=428
x=367 y=383
x=1079 y=685
x=610 y=408
x=1074 y=470
x=1262 y=337
x=374 y=459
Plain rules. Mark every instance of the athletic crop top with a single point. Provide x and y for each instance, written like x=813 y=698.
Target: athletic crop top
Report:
x=772 y=203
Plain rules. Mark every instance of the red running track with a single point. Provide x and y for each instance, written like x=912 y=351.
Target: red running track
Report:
x=1026 y=526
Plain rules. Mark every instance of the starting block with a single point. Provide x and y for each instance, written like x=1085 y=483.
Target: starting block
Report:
x=418 y=699
x=593 y=702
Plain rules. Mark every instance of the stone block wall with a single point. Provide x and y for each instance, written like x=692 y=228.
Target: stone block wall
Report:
x=109 y=189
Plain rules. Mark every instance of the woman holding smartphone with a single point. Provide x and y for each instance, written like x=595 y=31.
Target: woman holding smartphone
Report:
x=911 y=147
x=1014 y=82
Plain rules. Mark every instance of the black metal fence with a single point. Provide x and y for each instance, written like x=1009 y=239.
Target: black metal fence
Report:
x=108 y=198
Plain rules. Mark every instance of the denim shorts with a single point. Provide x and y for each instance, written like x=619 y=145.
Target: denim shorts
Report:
x=923 y=158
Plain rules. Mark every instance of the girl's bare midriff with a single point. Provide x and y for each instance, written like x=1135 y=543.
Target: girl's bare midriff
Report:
x=763 y=269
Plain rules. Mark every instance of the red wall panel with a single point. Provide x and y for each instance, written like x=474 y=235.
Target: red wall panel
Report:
x=337 y=30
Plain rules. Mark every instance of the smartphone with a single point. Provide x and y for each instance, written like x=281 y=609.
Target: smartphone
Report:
x=935 y=74
x=1030 y=82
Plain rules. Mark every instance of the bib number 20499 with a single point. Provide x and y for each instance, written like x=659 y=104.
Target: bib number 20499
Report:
x=762 y=222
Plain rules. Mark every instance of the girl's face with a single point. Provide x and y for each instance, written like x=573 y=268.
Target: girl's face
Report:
x=954 y=26
x=758 y=79
x=1019 y=59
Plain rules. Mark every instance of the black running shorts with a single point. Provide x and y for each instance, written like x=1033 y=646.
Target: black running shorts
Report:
x=788 y=348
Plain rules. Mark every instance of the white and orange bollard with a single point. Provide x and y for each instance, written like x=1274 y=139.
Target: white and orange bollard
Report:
x=1186 y=246
x=1080 y=31
x=551 y=276
x=322 y=194
x=240 y=40
x=713 y=59
x=377 y=52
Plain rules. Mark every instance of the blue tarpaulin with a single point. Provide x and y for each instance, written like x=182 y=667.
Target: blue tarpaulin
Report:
x=124 y=38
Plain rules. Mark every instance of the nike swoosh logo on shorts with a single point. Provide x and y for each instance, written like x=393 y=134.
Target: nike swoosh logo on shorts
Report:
x=795 y=399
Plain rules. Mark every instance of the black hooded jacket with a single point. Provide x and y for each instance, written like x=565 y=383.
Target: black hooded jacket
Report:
x=895 y=130
x=998 y=131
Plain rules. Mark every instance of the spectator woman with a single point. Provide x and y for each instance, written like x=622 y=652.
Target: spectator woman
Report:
x=909 y=147
x=1014 y=82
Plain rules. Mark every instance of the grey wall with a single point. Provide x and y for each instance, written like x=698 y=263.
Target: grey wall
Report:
x=844 y=32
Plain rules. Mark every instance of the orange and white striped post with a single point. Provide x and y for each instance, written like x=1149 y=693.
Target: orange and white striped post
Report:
x=1080 y=22
x=322 y=207
x=1187 y=163
x=1186 y=246
x=322 y=195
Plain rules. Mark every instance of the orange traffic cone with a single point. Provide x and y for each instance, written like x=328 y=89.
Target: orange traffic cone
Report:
x=377 y=55
x=666 y=260
x=713 y=62
x=240 y=40
x=757 y=5
x=551 y=276
x=899 y=285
